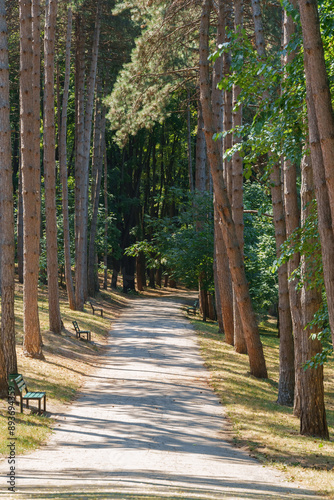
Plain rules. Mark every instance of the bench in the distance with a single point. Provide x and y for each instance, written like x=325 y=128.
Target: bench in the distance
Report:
x=79 y=332
x=193 y=308
x=94 y=308
x=21 y=386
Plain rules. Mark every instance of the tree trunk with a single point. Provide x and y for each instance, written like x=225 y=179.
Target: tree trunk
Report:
x=292 y=223
x=100 y=126
x=248 y=318
x=312 y=407
x=20 y=227
x=140 y=271
x=105 y=189
x=286 y=385
x=86 y=156
x=115 y=273
x=203 y=301
x=217 y=292
x=63 y=166
x=79 y=166
x=32 y=345
x=224 y=280
x=190 y=161
x=287 y=373
x=200 y=174
x=6 y=211
x=220 y=256
x=237 y=184
x=50 y=167
x=321 y=130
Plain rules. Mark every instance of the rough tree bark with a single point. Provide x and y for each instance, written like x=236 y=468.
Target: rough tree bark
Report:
x=87 y=142
x=312 y=405
x=248 y=318
x=32 y=345
x=224 y=283
x=79 y=160
x=237 y=184
x=323 y=126
x=49 y=141
x=6 y=211
x=190 y=160
x=63 y=165
x=105 y=192
x=292 y=221
x=200 y=173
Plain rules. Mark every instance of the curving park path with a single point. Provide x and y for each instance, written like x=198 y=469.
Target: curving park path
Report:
x=146 y=425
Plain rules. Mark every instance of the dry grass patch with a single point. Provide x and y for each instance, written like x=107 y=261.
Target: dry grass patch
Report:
x=270 y=431
x=68 y=361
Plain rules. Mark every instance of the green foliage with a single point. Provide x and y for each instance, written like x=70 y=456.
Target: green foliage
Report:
x=306 y=241
x=260 y=249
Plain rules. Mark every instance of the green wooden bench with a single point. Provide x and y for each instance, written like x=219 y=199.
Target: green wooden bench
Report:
x=94 y=308
x=21 y=386
x=193 y=308
x=79 y=332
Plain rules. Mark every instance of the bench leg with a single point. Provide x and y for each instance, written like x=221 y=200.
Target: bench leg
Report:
x=45 y=404
x=21 y=405
x=39 y=406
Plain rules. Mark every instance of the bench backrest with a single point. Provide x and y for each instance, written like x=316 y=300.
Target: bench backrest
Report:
x=20 y=384
x=76 y=326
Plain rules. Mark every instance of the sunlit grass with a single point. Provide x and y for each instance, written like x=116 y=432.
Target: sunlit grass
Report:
x=270 y=431
x=67 y=362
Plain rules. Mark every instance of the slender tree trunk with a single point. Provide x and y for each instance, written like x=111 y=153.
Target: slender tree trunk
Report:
x=98 y=163
x=224 y=280
x=237 y=184
x=200 y=174
x=248 y=318
x=6 y=210
x=32 y=345
x=105 y=188
x=286 y=385
x=140 y=272
x=217 y=291
x=287 y=373
x=292 y=223
x=87 y=141
x=50 y=167
x=20 y=226
x=321 y=130
x=63 y=166
x=312 y=407
x=190 y=161
x=220 y=256
x=79 y=167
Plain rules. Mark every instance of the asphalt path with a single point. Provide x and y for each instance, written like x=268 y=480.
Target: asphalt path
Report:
x=146 y=425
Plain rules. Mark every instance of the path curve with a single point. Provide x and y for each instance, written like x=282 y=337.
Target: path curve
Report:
x=147 y=423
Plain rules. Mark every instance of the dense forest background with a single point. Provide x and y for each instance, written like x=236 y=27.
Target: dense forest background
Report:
x=173 y=143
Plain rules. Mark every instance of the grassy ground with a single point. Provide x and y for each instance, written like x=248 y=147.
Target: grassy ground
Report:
x=67 y=362
x=269 y=431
